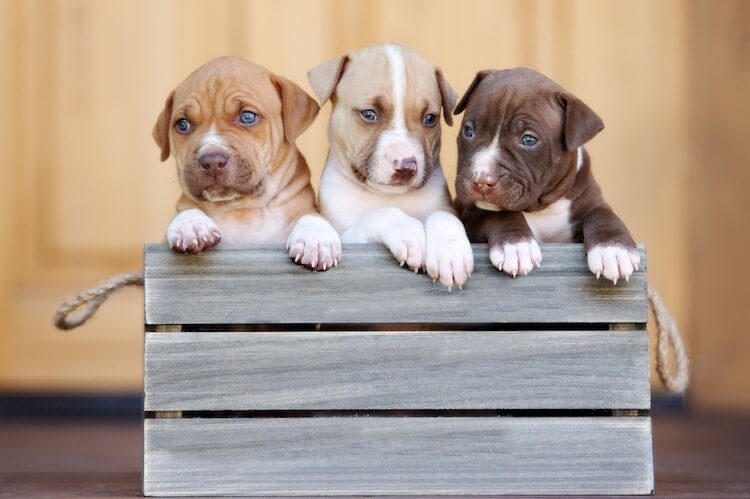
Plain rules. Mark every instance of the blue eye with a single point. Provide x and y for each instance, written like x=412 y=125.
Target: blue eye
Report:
x=183 y=125
x=369 y=115
x=248 y=117
x=468 y=131
x=429 y=120
x=529 y=140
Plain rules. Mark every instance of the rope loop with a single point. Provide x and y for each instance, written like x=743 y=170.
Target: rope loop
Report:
x=668 y=335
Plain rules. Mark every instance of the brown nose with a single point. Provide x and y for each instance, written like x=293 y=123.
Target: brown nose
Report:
x=405 y=167
x=213 y=162
x=483 y=182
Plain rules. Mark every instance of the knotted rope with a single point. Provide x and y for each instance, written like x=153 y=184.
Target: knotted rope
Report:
x=91 y=299
x=668 y=335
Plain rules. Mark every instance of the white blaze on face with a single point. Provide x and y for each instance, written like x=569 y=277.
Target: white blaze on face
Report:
x=396 y=143
x=484 y=163
x=212 y=141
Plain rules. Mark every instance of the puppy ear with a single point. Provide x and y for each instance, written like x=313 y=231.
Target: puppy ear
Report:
x=474 y=84
x=447 y=95
x=163 y=124
x=581 y=123
x=298 y=109
x=324 y=77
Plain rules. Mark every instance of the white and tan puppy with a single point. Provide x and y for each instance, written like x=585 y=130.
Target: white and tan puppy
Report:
x=382 y=180
x=231 y=127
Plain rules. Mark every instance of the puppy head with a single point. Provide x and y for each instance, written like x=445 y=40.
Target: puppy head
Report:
x=228 y=124
x=518 y=140
x=385 y=121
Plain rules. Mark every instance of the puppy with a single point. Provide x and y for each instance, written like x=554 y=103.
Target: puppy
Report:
x=382 y=181
x=524 y=177
x=231 y=126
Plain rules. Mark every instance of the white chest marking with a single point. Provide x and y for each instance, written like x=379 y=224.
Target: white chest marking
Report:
x=398 y=74
x=552 y=224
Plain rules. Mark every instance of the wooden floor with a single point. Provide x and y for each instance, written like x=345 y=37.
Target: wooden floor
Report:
x=696 y=457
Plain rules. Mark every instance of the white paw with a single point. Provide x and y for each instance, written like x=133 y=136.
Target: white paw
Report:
x=405 y=238
x=613 y=261
x=191 y=231
x=516 y=258
x=314 y=243
x=449 y=257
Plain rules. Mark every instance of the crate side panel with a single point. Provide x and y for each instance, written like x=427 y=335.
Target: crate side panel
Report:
x=381 y=456
x=260 y=285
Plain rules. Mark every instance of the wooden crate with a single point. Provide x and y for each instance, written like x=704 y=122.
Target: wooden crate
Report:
x=263 y=378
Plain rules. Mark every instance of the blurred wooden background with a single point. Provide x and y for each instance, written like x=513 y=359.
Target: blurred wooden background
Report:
x=82 y=187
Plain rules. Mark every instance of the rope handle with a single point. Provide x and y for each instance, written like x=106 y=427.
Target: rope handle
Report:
x=668 y=335
x=91 y=299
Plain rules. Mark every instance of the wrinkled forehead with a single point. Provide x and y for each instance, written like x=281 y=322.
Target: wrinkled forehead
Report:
x=515 y=103
x=226 y=91
x=390 y=72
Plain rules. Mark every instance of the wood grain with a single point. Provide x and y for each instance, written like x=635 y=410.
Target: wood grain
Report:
x=261 y=285
x=361 y=455
x=351 y=370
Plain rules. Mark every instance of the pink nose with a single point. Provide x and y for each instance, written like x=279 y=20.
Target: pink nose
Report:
x=483 y=182
x=405 y=167
x=213 y=162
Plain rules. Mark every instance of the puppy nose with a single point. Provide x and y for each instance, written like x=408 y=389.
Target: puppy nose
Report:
x=405 y=167
x=483 y=182
x=213 y=162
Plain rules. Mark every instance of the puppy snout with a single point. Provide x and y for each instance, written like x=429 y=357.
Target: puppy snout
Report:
x=213 y=162
x=405 y=167
x=483 y=182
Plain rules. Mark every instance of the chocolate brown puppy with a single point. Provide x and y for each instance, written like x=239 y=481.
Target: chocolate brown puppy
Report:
x=524 y=177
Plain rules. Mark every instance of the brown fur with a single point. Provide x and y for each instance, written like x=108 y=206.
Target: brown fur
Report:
x=530 y=179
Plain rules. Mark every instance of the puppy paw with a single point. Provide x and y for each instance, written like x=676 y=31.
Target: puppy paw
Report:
x=613 y=261
x=516 y=258
x=448 y=254
x=191 y=231
x=314 y=243
x=405 y=238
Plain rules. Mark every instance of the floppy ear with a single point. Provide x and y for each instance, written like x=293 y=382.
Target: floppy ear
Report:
x=581 y=123
x=474 y=84
x=447 y=95
x=324 y=77
x=298 y=109
x=161 y=129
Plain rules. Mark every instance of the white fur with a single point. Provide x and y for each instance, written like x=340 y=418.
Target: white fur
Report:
x=314 y=243
x=579 y=158
x=487 y=206
x=552 y=224
x=484 y=160
x=192 y=231
x=516 y=258
x=449 y=257
x=613 y=261
x=212 y=140
x=396 y=143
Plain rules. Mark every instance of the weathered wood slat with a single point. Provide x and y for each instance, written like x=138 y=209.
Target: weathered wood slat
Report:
x=261 y=285
x=352 y=370
x=372 y=455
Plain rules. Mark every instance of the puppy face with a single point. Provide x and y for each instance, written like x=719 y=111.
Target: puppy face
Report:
x=385 y=121
x=518 y=140
x=227 y=125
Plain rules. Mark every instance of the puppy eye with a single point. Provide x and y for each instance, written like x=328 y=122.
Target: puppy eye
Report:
x=248 y=117
x=183 y=125
x=429 y=120
x=468 y=131
x=369 y=115
x=529 y=140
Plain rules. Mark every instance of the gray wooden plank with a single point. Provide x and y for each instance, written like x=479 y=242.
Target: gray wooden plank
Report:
x=387 y=456
x=260 y=285
x=352 y=370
